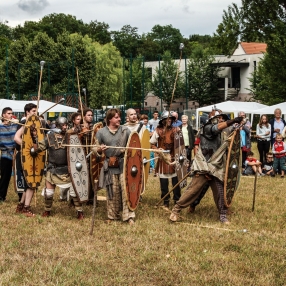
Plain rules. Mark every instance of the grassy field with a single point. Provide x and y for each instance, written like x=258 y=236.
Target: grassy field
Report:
x=196 y=251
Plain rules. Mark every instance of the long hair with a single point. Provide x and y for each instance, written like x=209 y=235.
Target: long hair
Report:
x=261 y=123
x=111 y=113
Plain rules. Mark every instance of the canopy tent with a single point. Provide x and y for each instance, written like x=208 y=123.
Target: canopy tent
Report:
x=270 y=109
x=231 y=107
x=18 y=106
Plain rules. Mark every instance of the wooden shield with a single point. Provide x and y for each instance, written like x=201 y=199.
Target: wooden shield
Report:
x=133 y=171
x=78 y=167
x=19 y=183
x=232 y=171
x=95 y=164
x=181 y=159
x=145 y=144
x=33 y=164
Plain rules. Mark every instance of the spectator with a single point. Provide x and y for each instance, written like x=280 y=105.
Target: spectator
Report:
x=245 y=134
x=252 y=165
x=267 y=166
x=263 y=135
x=7 y=145
x=189 y=137
x=154 y=121
x=279 y=149
x=277 y=124
x=177 y=123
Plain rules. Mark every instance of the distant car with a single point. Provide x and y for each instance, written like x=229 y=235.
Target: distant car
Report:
x=98 y=115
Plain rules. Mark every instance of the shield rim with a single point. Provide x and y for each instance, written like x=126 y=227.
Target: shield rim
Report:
x=69 y=168
x=124 y=170
x=146 y=167
x=93 y=139
x=41 y=154
x=228 y=204
x=179 y=134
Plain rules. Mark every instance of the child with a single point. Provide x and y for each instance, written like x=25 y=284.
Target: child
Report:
x=267 y=166
x=278 y=150
x=252 y=165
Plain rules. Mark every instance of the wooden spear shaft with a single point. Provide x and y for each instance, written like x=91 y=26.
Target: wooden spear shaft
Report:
x=174 y=187
x=117 y=147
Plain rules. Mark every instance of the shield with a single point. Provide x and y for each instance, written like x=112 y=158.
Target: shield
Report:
x=19 y=183
x=145 y=144
x=33 y=163
x=181 y=159
x=78 y=167
x=133 y=171
x=232 y=171
x=95 y=162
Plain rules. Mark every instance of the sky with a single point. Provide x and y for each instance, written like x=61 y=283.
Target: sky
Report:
x=189 y=16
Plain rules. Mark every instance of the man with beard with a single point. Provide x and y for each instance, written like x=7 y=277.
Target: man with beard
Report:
x=208 y=166
x=133 y=124
x=111 y=175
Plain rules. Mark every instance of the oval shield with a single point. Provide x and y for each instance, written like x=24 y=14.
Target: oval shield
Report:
x=232 y=170
x=145 y=144
x=133 y=171
x=78 y=167
x=181 y=159
x=95 y=162
x=33 y=164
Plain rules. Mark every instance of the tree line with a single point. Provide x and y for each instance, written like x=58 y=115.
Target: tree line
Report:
x=107 y=58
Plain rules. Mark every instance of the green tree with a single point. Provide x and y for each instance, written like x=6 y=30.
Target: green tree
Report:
x=228 y=31
x=260 y=18
x=52 y=24
x=126 y=40
x=105 y=87
x=137 y=79
x=161 y=39
x=163 y=81
x=98 y=32
x=202 y=78
x=268 y=83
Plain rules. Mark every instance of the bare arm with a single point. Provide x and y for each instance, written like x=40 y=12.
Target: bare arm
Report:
x=18 y=136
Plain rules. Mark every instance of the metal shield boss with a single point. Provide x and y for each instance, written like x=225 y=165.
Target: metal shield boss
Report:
x=133 y=171
x=33 y=163
x=181 y=159
x=232 y=171
x=78 y=167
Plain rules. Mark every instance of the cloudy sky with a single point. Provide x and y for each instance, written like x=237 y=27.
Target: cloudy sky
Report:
x=189 y=16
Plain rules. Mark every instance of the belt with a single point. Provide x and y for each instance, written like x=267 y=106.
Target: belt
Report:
x=262 y=139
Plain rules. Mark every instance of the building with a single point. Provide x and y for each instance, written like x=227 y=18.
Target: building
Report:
x=234 y=76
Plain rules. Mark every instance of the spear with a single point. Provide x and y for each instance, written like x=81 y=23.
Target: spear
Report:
x=40 y=84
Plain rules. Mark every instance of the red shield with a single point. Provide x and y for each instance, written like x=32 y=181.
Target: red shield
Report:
x=133 y=171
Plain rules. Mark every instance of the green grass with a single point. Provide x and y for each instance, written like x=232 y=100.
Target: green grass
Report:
x=196 y=251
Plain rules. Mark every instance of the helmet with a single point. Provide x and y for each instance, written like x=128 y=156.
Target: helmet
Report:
x=60 y=121
x=166 y=114
x=213 y=119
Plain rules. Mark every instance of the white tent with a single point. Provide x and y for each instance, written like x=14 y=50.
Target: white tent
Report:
x=231 y=107
x=270 y=109
x=18 y=106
